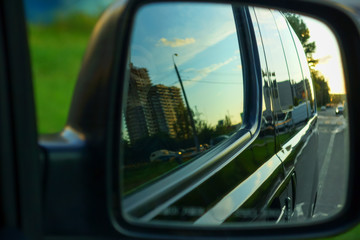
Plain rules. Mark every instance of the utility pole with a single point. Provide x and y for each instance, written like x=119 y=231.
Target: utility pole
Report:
x=196 y=141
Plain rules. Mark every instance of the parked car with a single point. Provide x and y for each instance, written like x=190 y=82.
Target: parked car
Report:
x=164 y=155
x=323 y=108
x=300 y=112
x=339 y=110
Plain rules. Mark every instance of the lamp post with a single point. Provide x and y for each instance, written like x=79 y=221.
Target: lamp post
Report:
x=196 y=141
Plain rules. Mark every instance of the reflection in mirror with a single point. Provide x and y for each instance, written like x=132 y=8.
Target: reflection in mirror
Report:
x=187 y=154
x=185 y=92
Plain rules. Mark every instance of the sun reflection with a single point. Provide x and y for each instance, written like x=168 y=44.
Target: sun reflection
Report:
x=328 y=54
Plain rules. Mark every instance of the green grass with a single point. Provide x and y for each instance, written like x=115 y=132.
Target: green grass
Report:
x=147 y=172
x=56 y=56
x=351 y=234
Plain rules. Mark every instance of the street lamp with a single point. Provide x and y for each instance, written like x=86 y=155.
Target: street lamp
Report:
x=196 y=141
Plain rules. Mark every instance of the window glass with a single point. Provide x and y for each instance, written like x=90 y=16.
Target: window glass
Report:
x=292 y=60
x=284 y=72
x=305 y=70
x=185 y=91
x=300 y=110
x=267 y=121
x=275 y=60
x=277 y=72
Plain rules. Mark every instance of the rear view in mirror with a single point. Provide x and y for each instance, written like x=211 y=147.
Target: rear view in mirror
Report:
x=232 y=114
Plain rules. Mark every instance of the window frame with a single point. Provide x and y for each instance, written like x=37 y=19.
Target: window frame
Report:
x=21 y=196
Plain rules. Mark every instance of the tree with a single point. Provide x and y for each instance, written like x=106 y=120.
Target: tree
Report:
x=182 y=126
x=301 y=31
x=204 y=130
x=224 y=127
x=322 y=90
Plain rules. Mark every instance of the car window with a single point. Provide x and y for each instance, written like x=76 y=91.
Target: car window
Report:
x=300 y=111
x=267 y=121
x=288 y=87
x=268 y=90
x=305 y=71
x=185 y=90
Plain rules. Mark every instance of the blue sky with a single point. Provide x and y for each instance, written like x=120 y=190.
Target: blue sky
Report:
x=204 y=37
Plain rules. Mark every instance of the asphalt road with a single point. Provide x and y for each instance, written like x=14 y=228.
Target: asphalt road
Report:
x=333 y=163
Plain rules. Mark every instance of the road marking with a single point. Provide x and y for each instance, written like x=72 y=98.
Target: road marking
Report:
x=299 y=209
x=320 y=215
x=325 y=166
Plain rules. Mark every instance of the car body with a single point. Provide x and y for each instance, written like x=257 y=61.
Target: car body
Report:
x=323 y=108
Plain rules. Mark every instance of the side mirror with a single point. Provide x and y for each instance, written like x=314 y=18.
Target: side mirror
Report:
x=271 y=164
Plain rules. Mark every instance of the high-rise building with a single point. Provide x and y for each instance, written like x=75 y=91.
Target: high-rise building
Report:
x=150 y=108
x=138 y=112
x=164 y=103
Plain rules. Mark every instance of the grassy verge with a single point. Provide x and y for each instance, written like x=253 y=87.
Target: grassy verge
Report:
x=351 y=234
x=56 y=54
x=138 y=175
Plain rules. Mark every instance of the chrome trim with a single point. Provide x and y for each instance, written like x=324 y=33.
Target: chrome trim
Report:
x=174 y=186
x=292 y=143
x=281 y=215
x=231 y=202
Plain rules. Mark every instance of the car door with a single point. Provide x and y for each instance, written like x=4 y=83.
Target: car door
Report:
x=21 y=175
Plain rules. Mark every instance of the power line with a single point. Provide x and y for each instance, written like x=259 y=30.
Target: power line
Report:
x=212 y=82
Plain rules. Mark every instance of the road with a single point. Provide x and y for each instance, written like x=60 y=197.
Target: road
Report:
x=333 y=163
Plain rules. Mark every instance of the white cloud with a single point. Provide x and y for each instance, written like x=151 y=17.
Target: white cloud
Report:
x=176 y=42
x=204 y=40
x=325 y=60
x=189 y=70
x=204 y=72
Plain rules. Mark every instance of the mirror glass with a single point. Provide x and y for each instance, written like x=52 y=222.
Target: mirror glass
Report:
x=185 y=93
x=190 y=152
